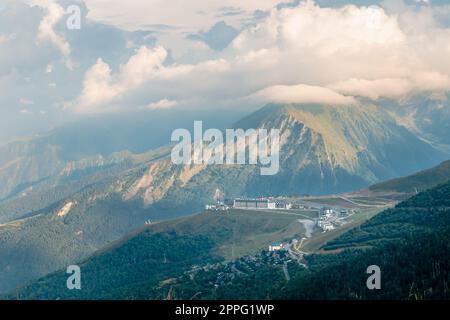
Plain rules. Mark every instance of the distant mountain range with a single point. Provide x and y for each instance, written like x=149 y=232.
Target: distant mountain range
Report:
x=72 y=207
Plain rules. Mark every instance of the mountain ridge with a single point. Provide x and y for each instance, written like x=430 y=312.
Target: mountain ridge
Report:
x=109 y=204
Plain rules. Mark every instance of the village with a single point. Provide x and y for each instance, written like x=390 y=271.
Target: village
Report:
x=321 y=218
x=327 y=219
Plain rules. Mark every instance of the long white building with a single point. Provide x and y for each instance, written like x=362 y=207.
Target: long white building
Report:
x=254 y=204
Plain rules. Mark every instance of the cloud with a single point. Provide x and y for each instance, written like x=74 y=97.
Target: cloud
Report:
x=173 y=21
x=326 y=30
x=102 y=87
x=26 y=112
x=282 y=52
x=25 y=102
x=298 y=53
x=161 y=104
x=24 y=58
x=5 y=38
x=398 y=88
x=359 y=50
x=374 y=89
x=46 y=31
x=144 y=75
x=302 y=94
x=97 y=87
x=189 y=17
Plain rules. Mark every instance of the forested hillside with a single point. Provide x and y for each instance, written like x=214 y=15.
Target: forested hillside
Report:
x=410 y=243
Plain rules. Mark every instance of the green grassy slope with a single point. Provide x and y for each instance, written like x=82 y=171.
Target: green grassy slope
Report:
x=127 y=267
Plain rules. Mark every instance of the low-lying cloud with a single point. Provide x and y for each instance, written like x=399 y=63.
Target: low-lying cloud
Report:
x=299 y=94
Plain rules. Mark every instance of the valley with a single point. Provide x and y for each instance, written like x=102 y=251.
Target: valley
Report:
x=73 y=213
x=225 y=150
x=217 y=255
x=233 y=235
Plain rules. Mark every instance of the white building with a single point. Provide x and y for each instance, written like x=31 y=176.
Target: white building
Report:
x=220 y=206
x=254 y=204
x=283 y=205
x=325 y=225
x=276 y=246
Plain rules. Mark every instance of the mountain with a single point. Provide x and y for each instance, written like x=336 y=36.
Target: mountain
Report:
x=427 y=116
x=90 y=144
x=323 y=150
x=409 y=243
x=417 y=182
x=327 y=149
x=68 y=216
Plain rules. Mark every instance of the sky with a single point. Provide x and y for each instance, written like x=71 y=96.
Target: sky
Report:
x=136 y=55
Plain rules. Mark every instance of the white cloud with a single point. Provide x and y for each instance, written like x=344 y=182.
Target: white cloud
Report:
x=26 y=112
x=394 y=88
x=97 y=87
x=326 y=30
x=304 y=53
x=25 y=102
x=102 y=87
x=162 y=104
x=189 y=16
x=361 y=51
x=374 y=89
x=46 y=31
x=303 y=94
x=104 y=91
x=5 y=38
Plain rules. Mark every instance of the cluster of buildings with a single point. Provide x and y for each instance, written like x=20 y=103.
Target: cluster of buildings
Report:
x=253 y=204
x=328 y=218
x=325 y=225
x=219 y=206
x=276 y=246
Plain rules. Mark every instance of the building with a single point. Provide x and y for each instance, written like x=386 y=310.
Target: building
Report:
x=276 y=246
x=283 y=205
x=327 y=211
x=220 y=206
x=325 y=225
x=254 y=204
